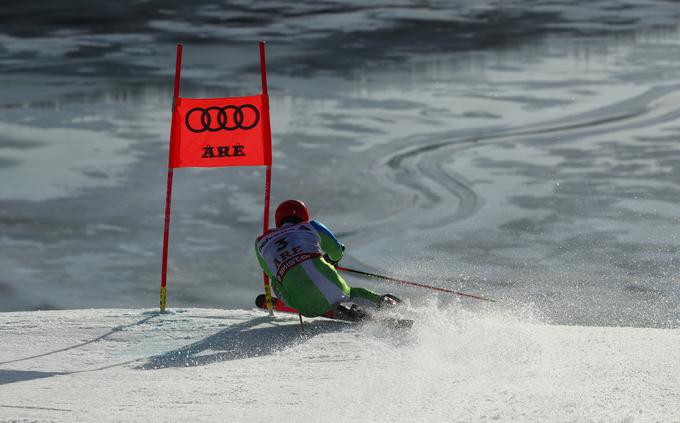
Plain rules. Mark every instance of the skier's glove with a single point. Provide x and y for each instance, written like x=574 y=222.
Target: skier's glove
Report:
x=334 y=262
x=328 y=259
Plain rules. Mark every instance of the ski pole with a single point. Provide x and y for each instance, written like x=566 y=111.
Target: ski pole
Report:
x=420 y=285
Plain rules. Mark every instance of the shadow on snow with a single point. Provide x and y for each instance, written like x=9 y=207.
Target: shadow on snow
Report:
x=241 y=341
x=82 y=344
x=11 y=375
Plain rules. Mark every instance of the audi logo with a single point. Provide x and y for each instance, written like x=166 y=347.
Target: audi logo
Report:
x=227 y=118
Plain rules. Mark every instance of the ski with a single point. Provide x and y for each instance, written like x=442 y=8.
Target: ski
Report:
x=345 y=314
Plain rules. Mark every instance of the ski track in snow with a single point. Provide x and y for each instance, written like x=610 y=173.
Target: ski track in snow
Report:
x=400 y=183
x=235 y=365
x=422 y=167
x=419 y=166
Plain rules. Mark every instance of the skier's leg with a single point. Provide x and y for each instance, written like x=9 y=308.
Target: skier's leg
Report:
x=313 y=287
x=365 y=294
x=369 y=297
x=327 y=280
x=301 y=293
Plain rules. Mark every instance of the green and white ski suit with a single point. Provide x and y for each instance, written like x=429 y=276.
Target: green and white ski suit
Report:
x=292 y=257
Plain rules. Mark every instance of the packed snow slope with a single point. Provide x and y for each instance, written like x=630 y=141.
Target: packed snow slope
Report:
x=242 y=366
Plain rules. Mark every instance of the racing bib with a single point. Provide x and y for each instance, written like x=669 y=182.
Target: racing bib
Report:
x=286 y=247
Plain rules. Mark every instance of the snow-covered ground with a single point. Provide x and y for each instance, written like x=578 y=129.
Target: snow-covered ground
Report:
x=117 y=365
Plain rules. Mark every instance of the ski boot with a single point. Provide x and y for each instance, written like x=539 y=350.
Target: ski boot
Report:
x=388 y=301
x=357 y=314
x=351 y=314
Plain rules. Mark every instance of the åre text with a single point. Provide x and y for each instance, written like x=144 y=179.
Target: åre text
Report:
x=210 y=152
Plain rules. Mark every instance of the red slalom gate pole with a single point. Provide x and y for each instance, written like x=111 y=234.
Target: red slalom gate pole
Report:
x=419 y=285
x=168 y=195
x=268 y=179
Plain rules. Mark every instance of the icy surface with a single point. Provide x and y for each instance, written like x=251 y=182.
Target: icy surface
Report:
x=236 y=365
x=521 y=150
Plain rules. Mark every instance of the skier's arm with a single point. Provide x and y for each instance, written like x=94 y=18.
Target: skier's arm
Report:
x=275 y=283
x=263 y=264
x=329 y=244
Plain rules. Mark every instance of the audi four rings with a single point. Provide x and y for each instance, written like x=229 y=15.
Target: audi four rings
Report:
x=227 y=118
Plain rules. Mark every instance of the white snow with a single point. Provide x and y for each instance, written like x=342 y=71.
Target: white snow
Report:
x=106 y=365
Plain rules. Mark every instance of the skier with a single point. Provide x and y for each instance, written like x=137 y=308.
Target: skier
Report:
x=299 y=257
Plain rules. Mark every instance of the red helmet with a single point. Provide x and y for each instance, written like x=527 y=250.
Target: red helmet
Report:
x=291 y=209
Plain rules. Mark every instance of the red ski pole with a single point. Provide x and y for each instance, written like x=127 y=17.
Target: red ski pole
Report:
x=420 y=285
